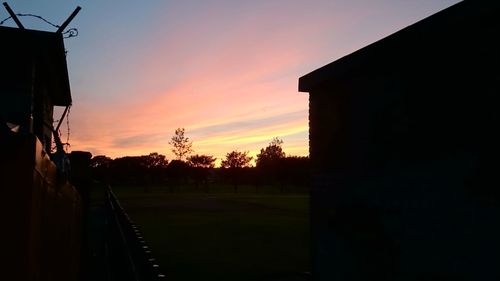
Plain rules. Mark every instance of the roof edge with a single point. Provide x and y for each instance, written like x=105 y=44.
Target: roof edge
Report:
x=344 y=64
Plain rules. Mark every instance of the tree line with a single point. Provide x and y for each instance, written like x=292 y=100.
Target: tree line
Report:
x=273 y=169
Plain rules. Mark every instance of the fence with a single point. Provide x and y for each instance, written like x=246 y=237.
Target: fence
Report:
x=131 y=255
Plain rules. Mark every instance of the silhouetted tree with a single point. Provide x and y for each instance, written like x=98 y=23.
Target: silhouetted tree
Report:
x=177 y=171
x=235 y=162
x=295 y=171
x=153 y=167
x=154 y=160
x=270 y=163
x=236 y=159
x=201 y=161
x=128 y=170
x=271 y=153
x=200 y=167
x=99 y=165
x=181 y=144
x=100 y=161
x=139 y=170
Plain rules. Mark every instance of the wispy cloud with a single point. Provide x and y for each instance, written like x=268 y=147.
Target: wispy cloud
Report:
x=140 y=140
x=227 y=71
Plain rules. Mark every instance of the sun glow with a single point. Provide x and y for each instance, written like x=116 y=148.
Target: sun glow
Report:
x=226 y=71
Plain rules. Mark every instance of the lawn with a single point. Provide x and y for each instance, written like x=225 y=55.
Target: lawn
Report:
x=223 y=236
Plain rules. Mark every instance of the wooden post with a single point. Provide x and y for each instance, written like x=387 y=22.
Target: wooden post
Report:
x=65 y=24
x=13 y=15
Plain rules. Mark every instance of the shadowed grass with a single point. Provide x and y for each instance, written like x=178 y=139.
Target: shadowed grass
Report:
x=223 y=236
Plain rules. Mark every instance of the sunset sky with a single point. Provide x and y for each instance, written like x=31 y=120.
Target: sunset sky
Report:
x=226 y=71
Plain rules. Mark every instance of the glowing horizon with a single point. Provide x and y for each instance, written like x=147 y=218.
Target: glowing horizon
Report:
x=226 y=71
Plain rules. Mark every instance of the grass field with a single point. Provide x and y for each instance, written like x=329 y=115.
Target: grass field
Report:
x=223 y=236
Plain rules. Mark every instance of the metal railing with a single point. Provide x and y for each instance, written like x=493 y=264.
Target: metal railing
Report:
x=130 y=247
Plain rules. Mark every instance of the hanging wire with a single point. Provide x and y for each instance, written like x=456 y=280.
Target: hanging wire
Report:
x=66 y=144
x=4 y=20
x=68 y=129
x=72 y=32
x=38 y=17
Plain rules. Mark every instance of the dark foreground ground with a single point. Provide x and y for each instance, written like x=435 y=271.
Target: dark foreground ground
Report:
x=223 y=236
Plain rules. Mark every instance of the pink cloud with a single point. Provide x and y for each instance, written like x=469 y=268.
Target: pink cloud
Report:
x=227 y=73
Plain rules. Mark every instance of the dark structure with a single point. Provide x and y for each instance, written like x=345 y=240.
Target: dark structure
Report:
x=34 y=79
x=405 y=151
x=50 y=229
x=40 y=209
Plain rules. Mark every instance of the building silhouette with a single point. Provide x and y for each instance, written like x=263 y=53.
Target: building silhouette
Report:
x=404 y=153
x=41 y=210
